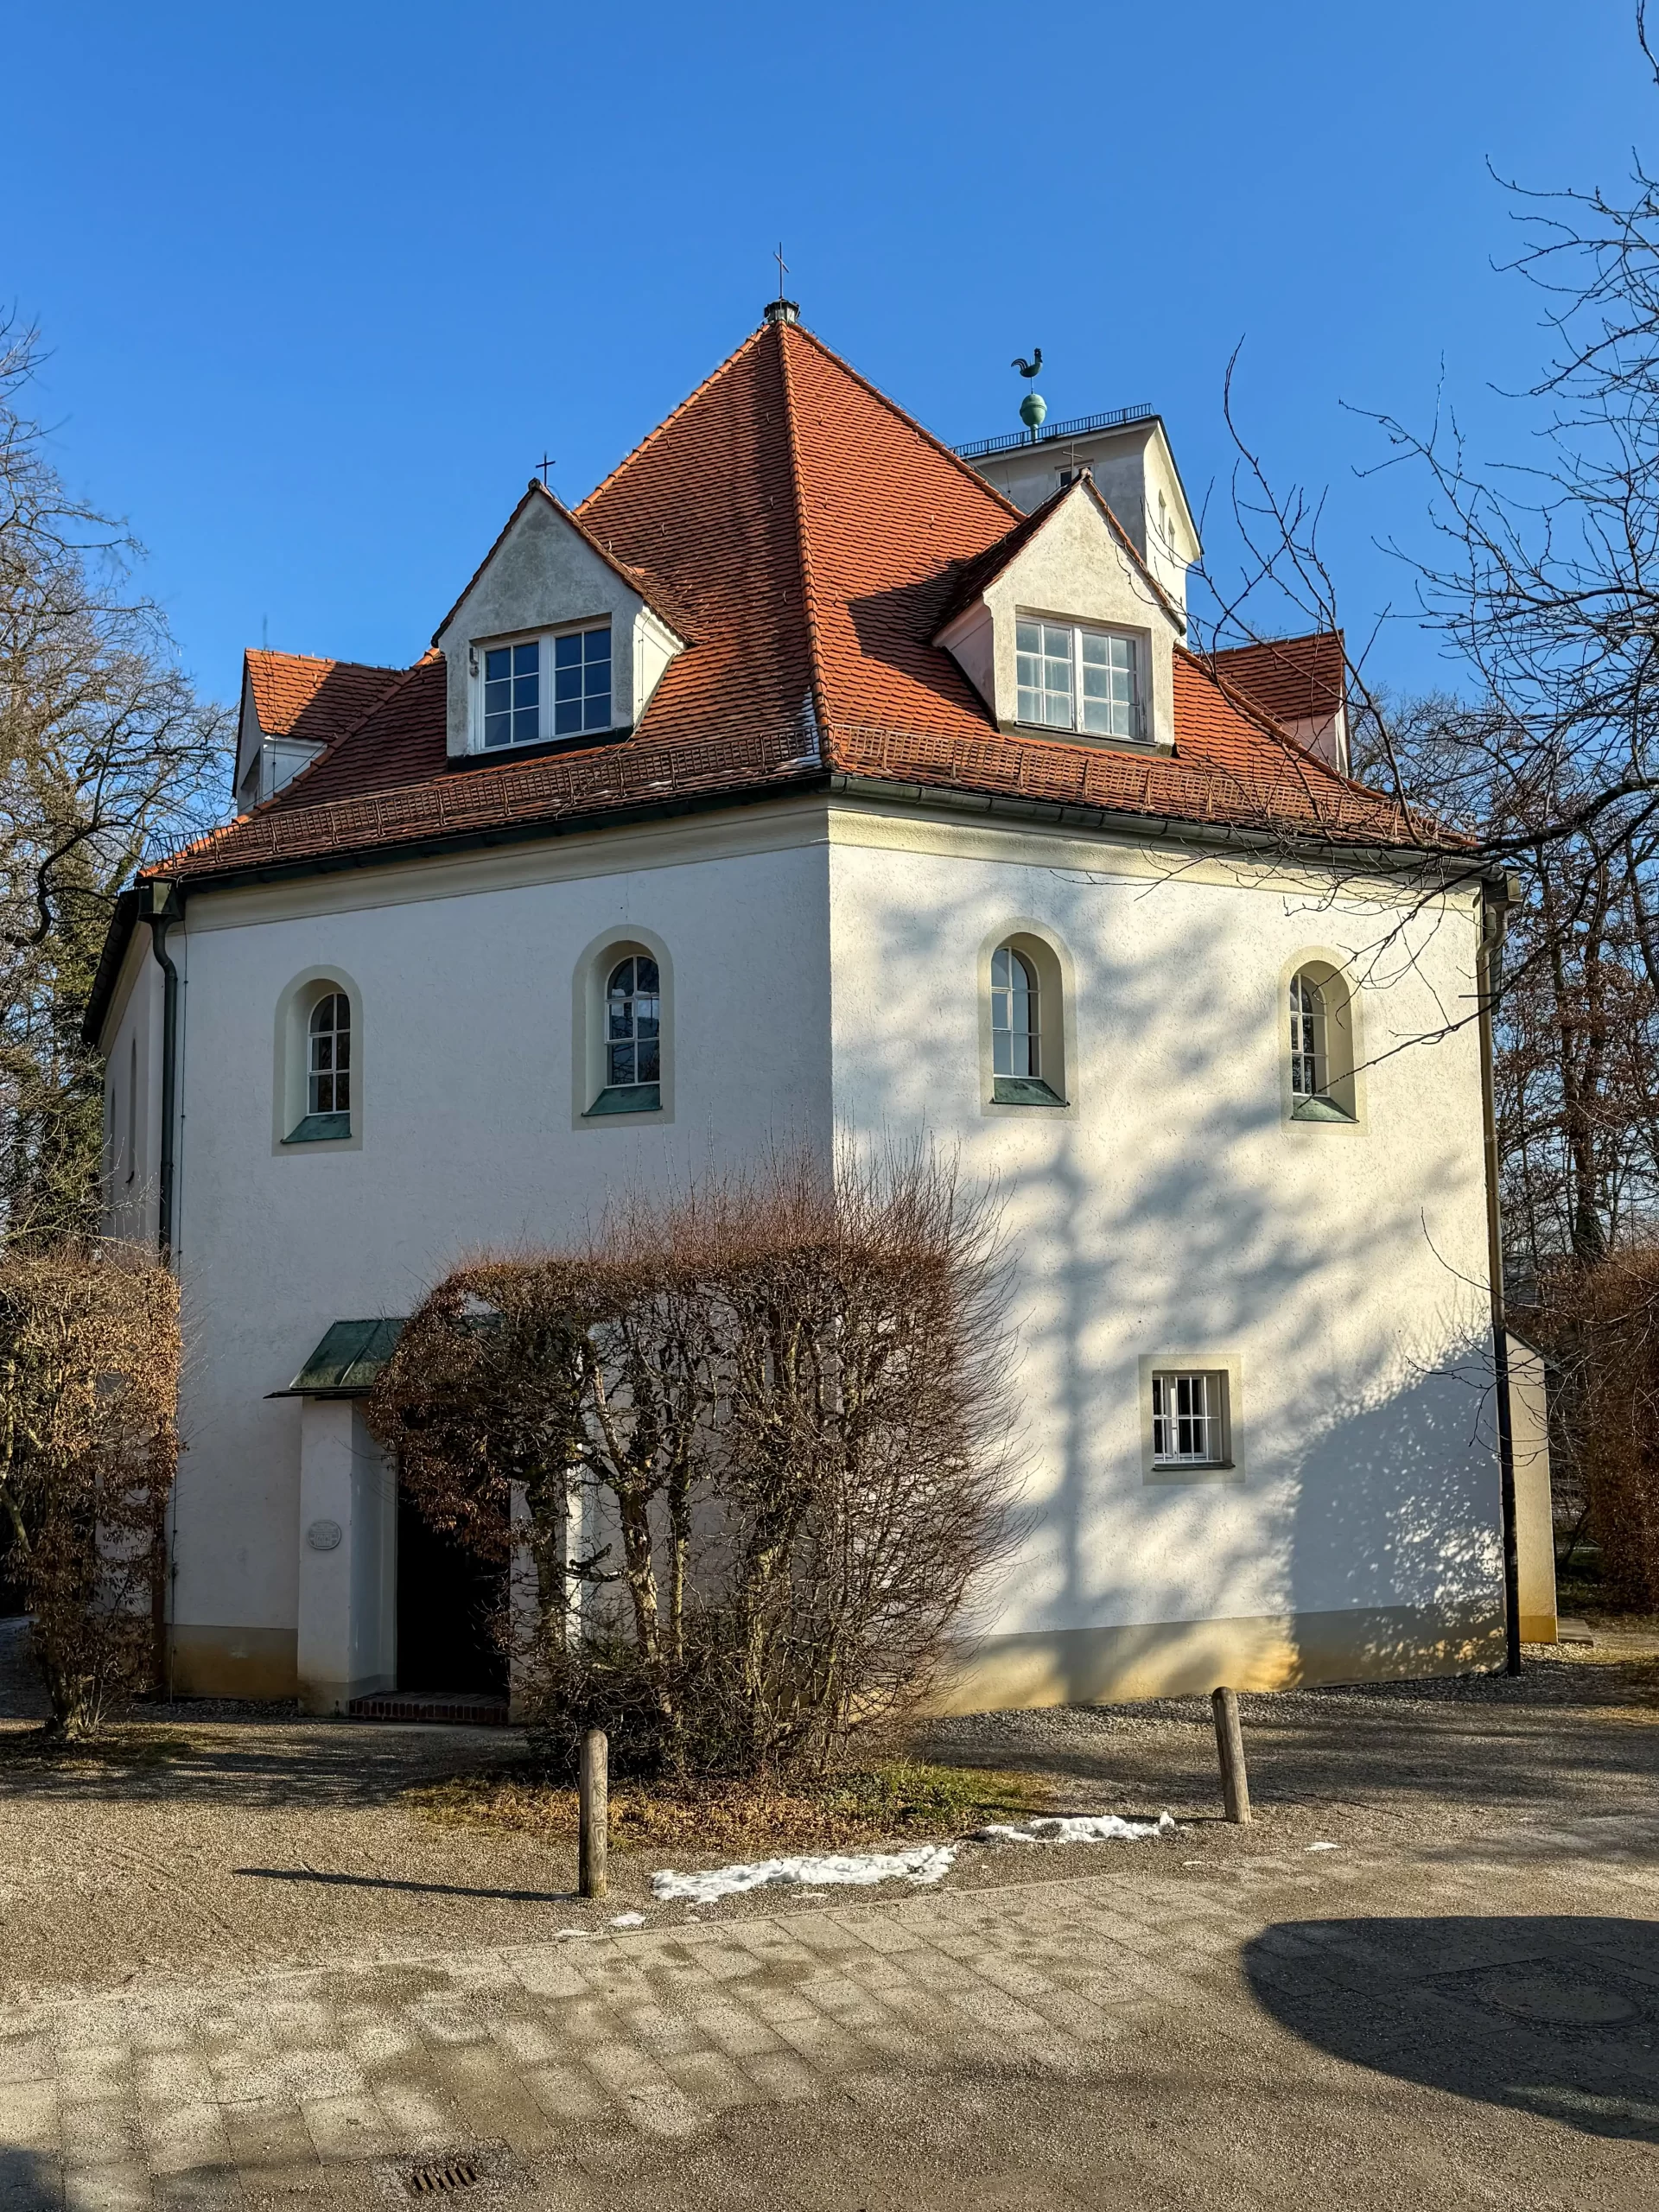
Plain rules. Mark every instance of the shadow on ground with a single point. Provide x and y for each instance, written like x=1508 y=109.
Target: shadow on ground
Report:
x=1554 y=2016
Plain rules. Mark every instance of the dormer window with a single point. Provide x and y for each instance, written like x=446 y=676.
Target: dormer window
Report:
x=581 y=681
x=1073 y=677
x=512 y=695
x=516 y=708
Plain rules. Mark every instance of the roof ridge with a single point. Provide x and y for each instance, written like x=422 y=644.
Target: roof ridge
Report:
x=652 y=437
x=964 y=468
x=322 y=660
x=803 y=551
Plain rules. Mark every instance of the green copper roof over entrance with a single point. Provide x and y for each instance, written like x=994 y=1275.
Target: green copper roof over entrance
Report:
x=346 y=1362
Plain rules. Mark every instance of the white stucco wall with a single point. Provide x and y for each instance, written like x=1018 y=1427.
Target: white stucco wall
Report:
x=828 y=969
x=463 y=1128
x=1175 y=1209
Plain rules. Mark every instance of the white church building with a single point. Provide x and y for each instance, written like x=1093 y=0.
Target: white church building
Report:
x=812 y=780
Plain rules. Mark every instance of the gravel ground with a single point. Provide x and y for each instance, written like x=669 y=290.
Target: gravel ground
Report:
x=224 y=1833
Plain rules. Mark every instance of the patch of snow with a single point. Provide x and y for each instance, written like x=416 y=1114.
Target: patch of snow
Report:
x=628 y=1920
x=1325 y=1846
x=921 y=1863
x=1082 y=1827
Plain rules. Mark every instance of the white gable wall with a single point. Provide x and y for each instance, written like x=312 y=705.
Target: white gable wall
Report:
x=1076 y=569
x=542 y=575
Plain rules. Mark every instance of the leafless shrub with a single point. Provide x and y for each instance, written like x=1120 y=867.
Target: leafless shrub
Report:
x=759 y=1437
x=1606 y=1326
x=89 y=1371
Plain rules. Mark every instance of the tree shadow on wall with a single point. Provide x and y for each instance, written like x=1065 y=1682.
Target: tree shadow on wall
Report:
x=1554 y=2016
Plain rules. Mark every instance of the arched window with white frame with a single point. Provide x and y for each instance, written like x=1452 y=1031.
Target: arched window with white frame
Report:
x=318 y=1076
x=1321 y=1041
x=1026 y=1028
x=328 y=1063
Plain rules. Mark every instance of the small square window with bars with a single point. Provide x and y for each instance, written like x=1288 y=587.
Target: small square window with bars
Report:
x=1189 y=1418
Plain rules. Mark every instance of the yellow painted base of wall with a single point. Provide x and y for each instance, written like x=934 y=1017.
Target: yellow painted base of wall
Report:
x=254 y=1663
x=1116 y=1665
x=1087 y=1666
x=1540 y=1628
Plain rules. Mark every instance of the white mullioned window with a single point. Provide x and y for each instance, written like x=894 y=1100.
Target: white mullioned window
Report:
x=1189 y=1419
x=513 y=694
x=328 y=1087
x=1076 y=678
x=582 y=682
x=1016 y=1039
x=1308 y=1061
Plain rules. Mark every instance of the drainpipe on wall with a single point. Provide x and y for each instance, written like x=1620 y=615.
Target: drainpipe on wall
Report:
x=163 y=908
x=1497 y=895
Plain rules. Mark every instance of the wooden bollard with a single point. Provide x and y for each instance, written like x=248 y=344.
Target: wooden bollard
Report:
x=1229 y=1744
x=593 y=1799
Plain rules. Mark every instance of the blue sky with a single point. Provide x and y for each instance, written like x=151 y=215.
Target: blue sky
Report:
x=322 y=283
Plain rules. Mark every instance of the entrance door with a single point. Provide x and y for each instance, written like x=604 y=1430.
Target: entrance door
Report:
x=447 y=1602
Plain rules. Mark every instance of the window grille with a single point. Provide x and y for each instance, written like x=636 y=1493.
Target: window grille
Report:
x=633 y=1014
x=1189 y=1424
x=1016 y=1045
x=1307 y=1053
x=329 y=1088
x=1070 y=678
x=582 y=682
x=512 y=695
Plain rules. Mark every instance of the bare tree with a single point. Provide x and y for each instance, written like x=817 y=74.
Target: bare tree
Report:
x=106 y=755
x=758 y=1435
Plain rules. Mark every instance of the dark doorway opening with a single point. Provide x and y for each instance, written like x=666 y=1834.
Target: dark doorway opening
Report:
x=447 y=1603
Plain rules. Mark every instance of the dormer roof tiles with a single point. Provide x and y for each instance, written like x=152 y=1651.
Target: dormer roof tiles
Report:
x=812 y=537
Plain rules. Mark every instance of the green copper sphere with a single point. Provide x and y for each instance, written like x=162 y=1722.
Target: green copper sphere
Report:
x=1033 y=408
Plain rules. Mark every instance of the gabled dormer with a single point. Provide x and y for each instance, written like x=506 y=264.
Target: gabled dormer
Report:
x=554 y=642
x=293 y=707
x=1064 y=630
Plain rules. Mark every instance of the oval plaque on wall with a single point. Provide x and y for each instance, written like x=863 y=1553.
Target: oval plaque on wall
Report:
x=323 y=1535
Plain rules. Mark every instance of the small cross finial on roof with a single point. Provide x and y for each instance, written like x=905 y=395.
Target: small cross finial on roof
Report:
x=783 y=268
x=544 y=464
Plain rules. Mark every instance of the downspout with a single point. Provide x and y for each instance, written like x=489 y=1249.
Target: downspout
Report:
x=1496 y=900
x=162 y=909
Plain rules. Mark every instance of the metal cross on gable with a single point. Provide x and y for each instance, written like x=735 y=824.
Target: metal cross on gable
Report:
x=544 y=464
x=783 y=268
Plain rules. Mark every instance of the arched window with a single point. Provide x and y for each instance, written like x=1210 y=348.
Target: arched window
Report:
x=1016 y=1037
x=634 y=1030
x=1307 y=1052
x=1322 y=1086
x=328 y=1066
x=1025 y=1050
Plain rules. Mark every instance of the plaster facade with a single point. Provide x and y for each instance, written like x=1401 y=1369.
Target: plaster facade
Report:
x=825 y=967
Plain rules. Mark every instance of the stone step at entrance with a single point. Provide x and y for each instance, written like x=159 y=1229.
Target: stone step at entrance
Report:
x=456 y=1709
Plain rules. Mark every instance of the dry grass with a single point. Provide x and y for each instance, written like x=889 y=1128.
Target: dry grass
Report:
x=894 y=1798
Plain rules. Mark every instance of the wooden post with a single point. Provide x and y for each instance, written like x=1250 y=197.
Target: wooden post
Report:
x=594 y=1796
x=1230 y=1742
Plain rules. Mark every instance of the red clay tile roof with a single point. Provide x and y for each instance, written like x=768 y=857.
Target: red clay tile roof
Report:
x=296 y=696
x=1295 y=679
x=659 y=601
x=813 y=536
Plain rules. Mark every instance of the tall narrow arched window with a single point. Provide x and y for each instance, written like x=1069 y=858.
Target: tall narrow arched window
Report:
x=330 y=1068
x=1307 y=1049
x=1021 y=1029
x=633 y=1037
x=1016 y=1035
x=1322 y=1087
